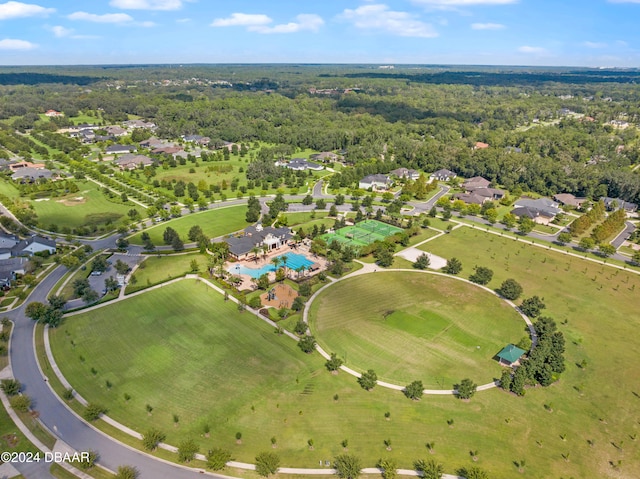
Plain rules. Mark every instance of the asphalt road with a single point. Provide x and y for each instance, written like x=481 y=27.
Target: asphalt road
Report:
x=629 y=228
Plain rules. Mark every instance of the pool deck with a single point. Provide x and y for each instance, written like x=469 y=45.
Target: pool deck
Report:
x=247 y=281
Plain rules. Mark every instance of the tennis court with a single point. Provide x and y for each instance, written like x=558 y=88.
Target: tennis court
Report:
x=362 y=234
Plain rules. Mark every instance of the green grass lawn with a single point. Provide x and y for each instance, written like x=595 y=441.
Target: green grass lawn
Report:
x=301 y=218
x=408 y=326
x=185 y=351
x=546 y=229
x=161 y=268
x=211 y=173
x=216 y=222
x=11 y=439
x=87 y=207
x=7 y=189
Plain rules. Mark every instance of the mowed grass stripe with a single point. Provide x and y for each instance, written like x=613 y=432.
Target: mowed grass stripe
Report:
x=355 y=319
x=72 y=212
x=215 y=222
x=175 y=350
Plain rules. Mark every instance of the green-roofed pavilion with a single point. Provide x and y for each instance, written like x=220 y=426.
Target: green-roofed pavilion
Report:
x=510 y=355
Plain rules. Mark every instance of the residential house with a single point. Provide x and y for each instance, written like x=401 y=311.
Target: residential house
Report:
x=51 y=113
x=139 y=124
x=11 y=246
x=33 y=244
x=325 y=156
x=240 y=247
x=300 y=164
x=167 y=150
x=443 y=175
x=513 y=149
x=116 y=131
x=10 y=268
x=87 y=135
x=619 y=124
x=197 y=139
x=152 y=142
x=471 y=198
x=120 y=149
x=405 y=173
x=475 y=183
x=567 y=199
x=131 y=162
x=375 y=182
x=480 y=145
x=30 y=174
x=6 y=243
x=542 y=210
x=616 y=203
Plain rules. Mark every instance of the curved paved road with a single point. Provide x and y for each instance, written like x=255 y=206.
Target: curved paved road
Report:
x=57 y=417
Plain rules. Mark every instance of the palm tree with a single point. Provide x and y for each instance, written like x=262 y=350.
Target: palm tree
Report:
x=300 y=269
x=255 y=250
x=284 y=259
x=275 y=261
x=265 y=250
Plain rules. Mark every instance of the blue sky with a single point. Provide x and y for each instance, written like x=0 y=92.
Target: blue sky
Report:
x=489 y=32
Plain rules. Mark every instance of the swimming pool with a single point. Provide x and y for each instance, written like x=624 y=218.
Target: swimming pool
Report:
x=294 y=261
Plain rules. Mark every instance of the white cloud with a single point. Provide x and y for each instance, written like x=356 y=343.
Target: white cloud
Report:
x=530 y=49
x=242 y=20
x=487 y=26
x=378 y=17
x=594 y=44
x=13 y=44
x=463 y=3
x=305 y=21
x=19 y=9
x=147 y=4
x=260 y=23
x=60 y=31
x=106 y=18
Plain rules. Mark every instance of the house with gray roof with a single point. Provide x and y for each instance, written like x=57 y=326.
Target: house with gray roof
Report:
x=33 y=244
x=542 y=210
x=300 y=164
x=139 y=124
x=613 y=204
x=10 y=268
x=544 y=206
x=119 y=149
x=256 y=237
x=375 y=182
x=197 y=139
x=30 y=174
x=442 y=175
x=405 y=173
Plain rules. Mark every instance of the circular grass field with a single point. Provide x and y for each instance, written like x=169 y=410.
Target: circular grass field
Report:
x=411 y=325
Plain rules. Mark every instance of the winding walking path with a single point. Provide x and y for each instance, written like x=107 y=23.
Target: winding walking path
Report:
x=368 y=268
